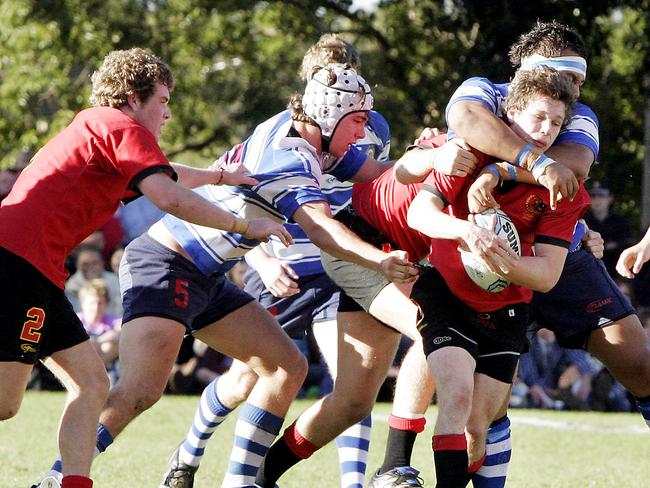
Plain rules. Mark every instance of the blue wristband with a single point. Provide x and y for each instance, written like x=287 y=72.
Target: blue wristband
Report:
x=492 y=168
x=523 y=153
x=512 y=175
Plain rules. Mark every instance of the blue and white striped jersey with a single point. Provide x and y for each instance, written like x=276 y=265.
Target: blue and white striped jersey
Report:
x=303 y=256
x=582 y=128
x=289 y=173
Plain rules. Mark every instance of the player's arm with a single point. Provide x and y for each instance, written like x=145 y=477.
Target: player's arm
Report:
x=217 y=174
x=540 y=272
x=187 y=205
x=425 y=215
x=371 y=169
x=337 y=240
x=633 y=258
x=484 y=131
x=453 y=158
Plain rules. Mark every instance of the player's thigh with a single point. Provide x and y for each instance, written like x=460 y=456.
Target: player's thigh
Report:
x=366 y=349
x=148 y=349
x=623 y=348
x=251 y=335
x=326 y=335
x=393 y=306
x=415 y=386
x=489 y=396
x=13 y=382
x=79 y=367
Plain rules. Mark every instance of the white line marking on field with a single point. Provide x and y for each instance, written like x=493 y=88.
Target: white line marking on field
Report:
x=553 y=424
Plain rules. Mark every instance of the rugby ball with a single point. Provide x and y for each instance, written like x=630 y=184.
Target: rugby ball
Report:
x=499 y=222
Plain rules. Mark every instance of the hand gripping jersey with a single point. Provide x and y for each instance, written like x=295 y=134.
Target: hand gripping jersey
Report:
x=528 y=207
x=581 y=129
x=290 y=174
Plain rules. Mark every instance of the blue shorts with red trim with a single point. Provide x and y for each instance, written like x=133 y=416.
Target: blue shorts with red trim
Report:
x=158 y=282
x=585 y=298
x=317 y=302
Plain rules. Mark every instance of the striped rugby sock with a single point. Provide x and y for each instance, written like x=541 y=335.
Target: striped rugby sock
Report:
x=209 y=415
x=492 y=474
x=353 y=445
x=254 y=433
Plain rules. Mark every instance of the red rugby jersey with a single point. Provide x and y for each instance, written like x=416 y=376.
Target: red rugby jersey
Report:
x=74 y=184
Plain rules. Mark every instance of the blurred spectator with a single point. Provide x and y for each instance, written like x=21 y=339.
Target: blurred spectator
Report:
x=195 y=367
x=613 y=227
x=102 y=327
x=607 y=394
x=8 y=177
x=553 y=377
x=137 y=216
x=90 y=265
x=116 y=259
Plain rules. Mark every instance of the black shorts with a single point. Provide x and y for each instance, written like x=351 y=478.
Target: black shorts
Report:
x=158 y=282
x=36 y=318
x=317 y=302
x=494 y=339
x=359 y=285
x=584 y=299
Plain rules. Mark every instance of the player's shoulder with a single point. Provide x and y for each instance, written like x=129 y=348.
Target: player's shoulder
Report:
x=584 y=111
x=379 y=125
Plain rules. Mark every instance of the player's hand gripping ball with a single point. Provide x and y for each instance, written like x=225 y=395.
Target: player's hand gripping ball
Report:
x=497 y=221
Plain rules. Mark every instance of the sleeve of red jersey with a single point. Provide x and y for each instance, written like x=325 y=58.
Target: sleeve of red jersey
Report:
x=447 y=188
x=136 y=154
x=556 y=226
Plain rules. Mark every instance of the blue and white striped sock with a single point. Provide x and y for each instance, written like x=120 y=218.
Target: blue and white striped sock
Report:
x=255 y=431
x=210 y=413
x=353 y=445
x=644 y=407
x=104 y=439
x=498 y=450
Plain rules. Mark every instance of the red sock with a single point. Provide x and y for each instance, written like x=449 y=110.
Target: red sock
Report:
x=300 y=446
x=74 y=481
x=474 y=467
x=413 y=425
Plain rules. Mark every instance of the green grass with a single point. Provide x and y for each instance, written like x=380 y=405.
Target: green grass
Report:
x=551 y=449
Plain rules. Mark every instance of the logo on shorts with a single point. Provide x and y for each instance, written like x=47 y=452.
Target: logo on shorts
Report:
x=441 y=339
x=485 y=320
x=27 y=348
x=598 y=304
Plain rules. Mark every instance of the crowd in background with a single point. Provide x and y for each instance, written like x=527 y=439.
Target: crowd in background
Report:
x=549 y=376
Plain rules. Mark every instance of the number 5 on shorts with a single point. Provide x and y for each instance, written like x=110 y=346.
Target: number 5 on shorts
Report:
x=182 y=299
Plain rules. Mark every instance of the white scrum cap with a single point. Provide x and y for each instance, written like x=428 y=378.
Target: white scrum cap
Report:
x=332 y=93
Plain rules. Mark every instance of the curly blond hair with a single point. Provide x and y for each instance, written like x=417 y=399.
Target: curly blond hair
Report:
x=330 y=48
x=125 y=73
x=529 y=85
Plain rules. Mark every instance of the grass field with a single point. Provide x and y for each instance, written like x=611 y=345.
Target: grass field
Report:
x=550 y=449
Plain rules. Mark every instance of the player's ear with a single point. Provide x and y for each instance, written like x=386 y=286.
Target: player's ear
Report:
x=511 y=115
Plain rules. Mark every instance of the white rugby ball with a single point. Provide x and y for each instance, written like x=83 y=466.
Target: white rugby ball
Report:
x=499 y=222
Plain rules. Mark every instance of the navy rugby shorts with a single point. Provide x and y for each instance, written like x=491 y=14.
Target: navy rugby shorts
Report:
x=158 y=282
x=584 y=299
x=317 y=301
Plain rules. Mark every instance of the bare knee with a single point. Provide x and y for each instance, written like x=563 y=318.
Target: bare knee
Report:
x=239 y=384
x=456 y=404
x=8 y=411
x=134 y=400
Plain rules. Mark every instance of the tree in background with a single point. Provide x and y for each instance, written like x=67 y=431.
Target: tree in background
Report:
x=236 y=64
